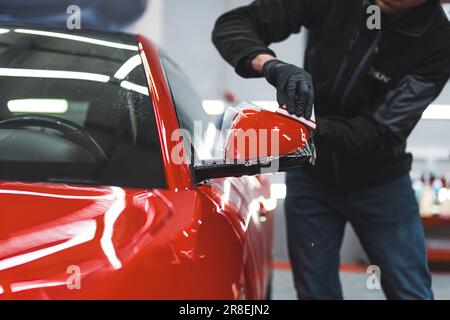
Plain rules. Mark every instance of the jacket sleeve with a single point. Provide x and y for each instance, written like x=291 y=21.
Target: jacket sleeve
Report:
x=245 y=32
x=395 y=116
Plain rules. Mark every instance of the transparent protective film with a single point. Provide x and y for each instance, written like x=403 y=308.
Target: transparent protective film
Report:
x=251 y=135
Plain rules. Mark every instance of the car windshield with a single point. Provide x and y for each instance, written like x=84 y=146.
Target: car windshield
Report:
x=75 y=108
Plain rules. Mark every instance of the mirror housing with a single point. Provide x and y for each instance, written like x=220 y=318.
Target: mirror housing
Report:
x=259 y=141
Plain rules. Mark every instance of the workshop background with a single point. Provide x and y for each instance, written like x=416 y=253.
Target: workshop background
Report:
x=183 y=29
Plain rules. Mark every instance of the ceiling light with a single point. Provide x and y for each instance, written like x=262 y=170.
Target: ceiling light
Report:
x=78 y=38
x=270 y=105
x=213 y=107
x=134 y=87
x=57 y=74
x=128 y=66
x=437 y=112
x=433 y=112
x=38 y=106
x=278 y=190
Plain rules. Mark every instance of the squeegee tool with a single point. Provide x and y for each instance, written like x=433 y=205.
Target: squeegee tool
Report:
x=309 y=123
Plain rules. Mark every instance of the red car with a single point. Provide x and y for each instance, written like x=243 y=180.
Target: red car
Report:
x=102 y=196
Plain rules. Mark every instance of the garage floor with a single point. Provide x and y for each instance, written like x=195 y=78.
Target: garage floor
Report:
x=354 y=285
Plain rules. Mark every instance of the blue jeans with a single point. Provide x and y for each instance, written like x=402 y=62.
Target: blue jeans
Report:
x=386 y=220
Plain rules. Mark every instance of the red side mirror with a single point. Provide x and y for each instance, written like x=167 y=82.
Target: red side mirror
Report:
x=258 y=134
x=255 y=141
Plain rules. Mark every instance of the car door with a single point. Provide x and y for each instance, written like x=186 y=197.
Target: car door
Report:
x=242 y=196
x=258 y=229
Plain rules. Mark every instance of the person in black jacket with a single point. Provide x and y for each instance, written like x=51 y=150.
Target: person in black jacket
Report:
x=370 y=87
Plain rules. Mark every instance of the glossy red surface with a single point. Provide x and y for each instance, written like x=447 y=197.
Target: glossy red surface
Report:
x=178 y=175
x=258 y=133
x=126 y=244
x=212 y=241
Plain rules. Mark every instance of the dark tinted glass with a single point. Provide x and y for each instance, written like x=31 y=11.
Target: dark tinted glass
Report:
x=75 y=108
x=202 y=128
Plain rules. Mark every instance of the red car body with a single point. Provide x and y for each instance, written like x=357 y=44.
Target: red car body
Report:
x=189 y=241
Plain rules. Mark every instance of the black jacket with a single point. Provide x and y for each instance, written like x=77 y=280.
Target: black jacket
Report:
x=371 y=86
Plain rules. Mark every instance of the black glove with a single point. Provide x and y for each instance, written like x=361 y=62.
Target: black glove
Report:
x=294 y=87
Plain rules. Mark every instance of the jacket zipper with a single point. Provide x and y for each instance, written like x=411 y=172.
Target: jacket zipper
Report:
x=344 y=64
x=367 y=56
x=373 y=47
x=342 y=69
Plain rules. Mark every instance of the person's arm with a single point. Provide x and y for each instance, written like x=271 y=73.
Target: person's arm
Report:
x=257 y=63
x=242 y=37
x=242 y=34
x=395 y=116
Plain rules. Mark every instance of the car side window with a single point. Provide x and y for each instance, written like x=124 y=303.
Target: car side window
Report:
x=201 y=127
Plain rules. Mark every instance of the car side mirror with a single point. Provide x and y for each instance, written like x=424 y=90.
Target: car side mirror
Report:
x=259 y=141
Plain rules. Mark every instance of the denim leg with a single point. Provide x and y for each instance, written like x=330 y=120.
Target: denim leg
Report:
x=315 y=231
x=387 y=221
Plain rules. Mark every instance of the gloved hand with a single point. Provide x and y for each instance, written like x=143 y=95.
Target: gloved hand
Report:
x=294 y=87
